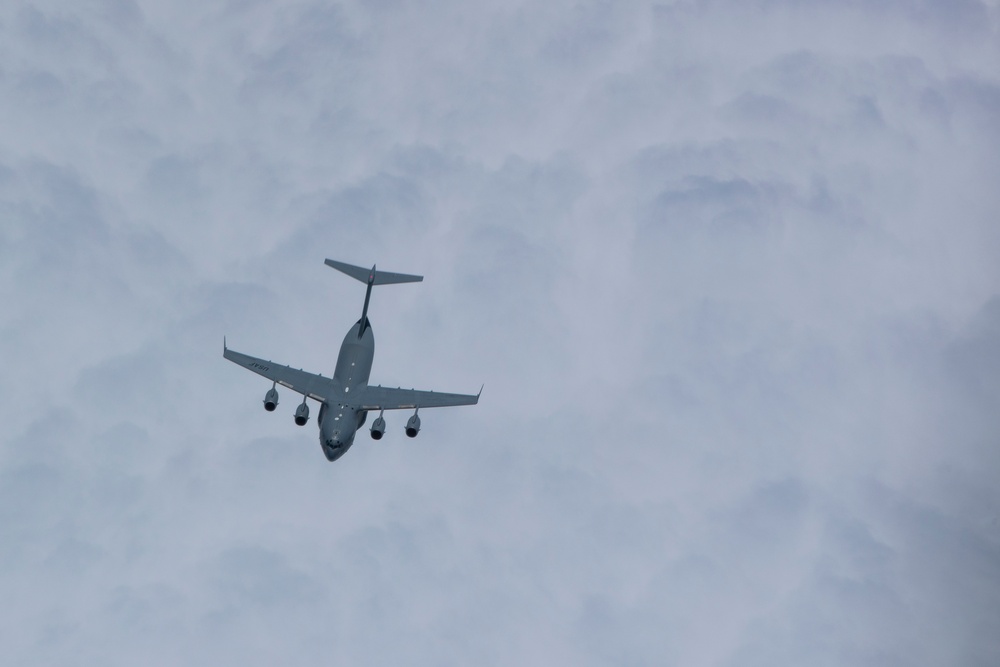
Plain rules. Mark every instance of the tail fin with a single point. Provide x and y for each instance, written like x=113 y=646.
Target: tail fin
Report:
x=371 y=276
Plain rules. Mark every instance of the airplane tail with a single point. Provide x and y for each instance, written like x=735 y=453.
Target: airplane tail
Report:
x=371 y=276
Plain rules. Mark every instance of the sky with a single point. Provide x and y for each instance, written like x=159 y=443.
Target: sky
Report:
x=727 y=270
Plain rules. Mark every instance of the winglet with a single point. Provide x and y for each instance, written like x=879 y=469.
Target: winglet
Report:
x=480 y=391
x=224 y=348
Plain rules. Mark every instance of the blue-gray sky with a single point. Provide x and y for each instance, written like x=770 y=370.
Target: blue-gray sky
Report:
x=728 y=270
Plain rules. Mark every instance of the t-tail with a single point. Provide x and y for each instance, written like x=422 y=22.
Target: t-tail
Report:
x=371 y=277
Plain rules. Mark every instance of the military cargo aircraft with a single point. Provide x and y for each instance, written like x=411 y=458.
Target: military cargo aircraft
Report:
x=346 y=398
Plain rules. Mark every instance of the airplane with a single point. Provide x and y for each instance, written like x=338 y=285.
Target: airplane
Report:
x=346 y=398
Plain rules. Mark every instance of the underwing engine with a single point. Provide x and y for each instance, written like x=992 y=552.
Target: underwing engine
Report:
x=271 y=399
x=378 y=428
x=413 y=426
x=302 y=413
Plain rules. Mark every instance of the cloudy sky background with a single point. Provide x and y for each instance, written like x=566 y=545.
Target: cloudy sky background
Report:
x=728 y=270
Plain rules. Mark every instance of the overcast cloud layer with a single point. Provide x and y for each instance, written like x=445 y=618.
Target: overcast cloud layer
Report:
x=728 y=270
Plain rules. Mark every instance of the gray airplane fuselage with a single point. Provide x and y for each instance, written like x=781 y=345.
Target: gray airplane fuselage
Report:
x=338 y=422
x=346 y=399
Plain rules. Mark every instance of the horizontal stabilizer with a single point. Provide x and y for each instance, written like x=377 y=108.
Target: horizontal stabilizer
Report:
x=371 y=276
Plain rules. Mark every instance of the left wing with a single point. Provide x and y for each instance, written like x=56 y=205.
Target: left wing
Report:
x=387 y=398
x=308 y=384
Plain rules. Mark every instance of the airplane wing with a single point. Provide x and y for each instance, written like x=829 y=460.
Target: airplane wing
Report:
x=308 y=384
x=387 y=398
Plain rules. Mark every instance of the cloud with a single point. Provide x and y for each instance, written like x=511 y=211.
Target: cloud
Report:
x=727 y=270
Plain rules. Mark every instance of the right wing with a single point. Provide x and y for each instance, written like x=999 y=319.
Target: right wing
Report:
x=387 y=398
x=316 y=387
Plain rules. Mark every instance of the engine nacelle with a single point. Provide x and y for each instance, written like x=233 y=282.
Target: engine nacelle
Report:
x=271 y=399
x=413 y=426
x=378 y=429
x=302 y=414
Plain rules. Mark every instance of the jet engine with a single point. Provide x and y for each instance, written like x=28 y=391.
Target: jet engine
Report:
x=271 y=399
x=302 y=414
x=413 y=426
x=378 y=428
